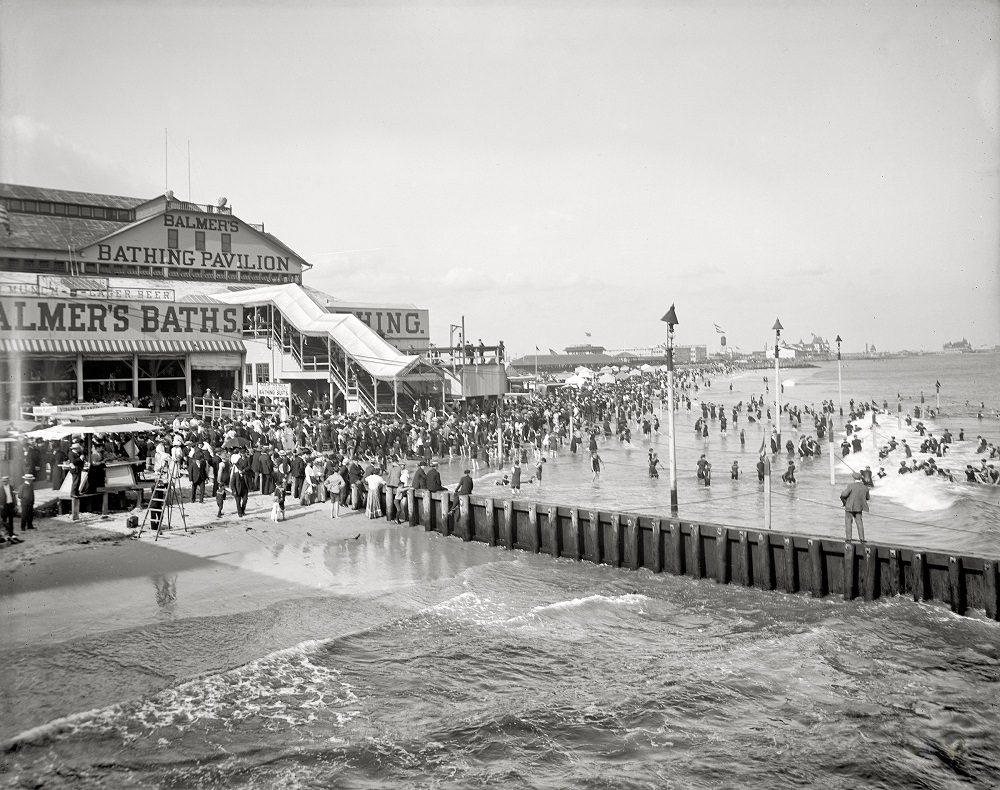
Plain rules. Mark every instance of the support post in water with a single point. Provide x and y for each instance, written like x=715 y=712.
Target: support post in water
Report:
x=670 y=319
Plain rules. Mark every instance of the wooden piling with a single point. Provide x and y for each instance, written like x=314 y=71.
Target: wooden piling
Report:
x=676 y=549
x=596 y=538
x=918 y=576
x=657 y=544
x=765 y=569
x=789 y=569
x=817 y=569
x=411 y=507
x=534 y=530
x=426 y=511
x=697 y=553
x=744 y=566
x=896 y=582
x=632 y=544
x=872 y=583
x=991 y=590
x=444 y=523
x=465 y=526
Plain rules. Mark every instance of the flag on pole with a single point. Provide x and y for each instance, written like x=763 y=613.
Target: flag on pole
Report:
x=938 y=385
x=719 y=329
x=537 y=348
x=552 y=351
x=587 y=334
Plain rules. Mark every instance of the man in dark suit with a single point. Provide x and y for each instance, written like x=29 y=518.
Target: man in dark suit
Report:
x=855 y=499
x=7 y=503
x=465 y=484
x=298 y=472
x=434 y=478
x=239 y=481
x=419 y=477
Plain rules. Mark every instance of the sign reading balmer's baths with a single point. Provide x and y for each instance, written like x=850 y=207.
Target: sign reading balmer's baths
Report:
x=195 y=241
x=64 y=318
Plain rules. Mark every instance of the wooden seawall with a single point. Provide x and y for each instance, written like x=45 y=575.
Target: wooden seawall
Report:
x=748 y=557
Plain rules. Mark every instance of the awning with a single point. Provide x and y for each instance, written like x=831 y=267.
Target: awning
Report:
x=82 y=345
x=69 y=429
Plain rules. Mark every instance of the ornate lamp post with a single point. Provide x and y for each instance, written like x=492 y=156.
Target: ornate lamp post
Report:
x=777 y=381
x=840 y=382
x=670 y=319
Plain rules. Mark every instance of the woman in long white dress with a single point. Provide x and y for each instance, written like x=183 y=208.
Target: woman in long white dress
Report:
x=375 y=483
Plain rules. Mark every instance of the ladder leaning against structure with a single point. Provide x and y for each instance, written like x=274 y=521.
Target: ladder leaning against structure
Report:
x=166 y=490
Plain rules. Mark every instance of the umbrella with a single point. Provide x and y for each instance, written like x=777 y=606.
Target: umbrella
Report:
x=236 y=441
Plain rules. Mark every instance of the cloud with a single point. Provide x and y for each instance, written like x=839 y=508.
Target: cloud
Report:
x=33 y=152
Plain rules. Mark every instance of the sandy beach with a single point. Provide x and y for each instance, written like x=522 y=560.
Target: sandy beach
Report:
x=70 y=582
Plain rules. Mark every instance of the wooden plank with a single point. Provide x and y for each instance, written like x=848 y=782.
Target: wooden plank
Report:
x=657 y=545
x=790 y=571
x=956 y=584
x=576 y=530
x=765 y=570
x=596 y=538
x=721 y=555
x=632 y=548
x=426 y=512
x=850 y=580
x=872 y=583
x=390 y=503
x=411 y=507
x=555 y=532
x=817 y=568
x=676 y=549
x=896 y=585
x=444 y=523
x=534 y=530
x=918 y=573
x=697 y=553
x=744 y=568
x=507 y=528
x=465 y=518
x=991 y=590
x=616 y=540
x=491 y=521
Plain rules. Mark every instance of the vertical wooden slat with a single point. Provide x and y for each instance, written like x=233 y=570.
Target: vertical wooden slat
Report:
x=411 y=507
x=534 y=530
x=956 y=584
x=555 y=533
x=721 y=555
x=919 y=574
x=817 y=569
x=491 y=522
x=744 y=568
x=632 y=553
x=444 y=525
x=616 y=540
x=697 y=553
x=788 y=556
x=872 y=583
x=991 y=590
x=507 y=528
x=850 y=582
x=676 y=548
x=765 y=575
x=579 y=541
x=895 y=573
x=426 y=514
x=465 y=528
x=596 y=538
x=657 y=541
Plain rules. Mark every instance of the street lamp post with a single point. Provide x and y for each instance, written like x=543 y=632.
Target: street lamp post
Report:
x=670 y=319
x=840 y=382
x=777 y=381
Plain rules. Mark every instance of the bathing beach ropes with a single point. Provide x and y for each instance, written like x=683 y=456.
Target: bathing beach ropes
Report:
x=166 y=492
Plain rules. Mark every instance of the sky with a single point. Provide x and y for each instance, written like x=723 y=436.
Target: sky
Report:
x=555 y=173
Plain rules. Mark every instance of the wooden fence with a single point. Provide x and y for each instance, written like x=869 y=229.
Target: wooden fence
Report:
x=766 y=560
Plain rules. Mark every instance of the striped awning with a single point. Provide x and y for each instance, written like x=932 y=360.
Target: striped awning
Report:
x=29 y=345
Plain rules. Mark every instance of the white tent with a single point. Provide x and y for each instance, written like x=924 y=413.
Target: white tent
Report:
x=646 y=368
x=586 y=373
x=575 y=381
x=606 y=378
x=635 y=373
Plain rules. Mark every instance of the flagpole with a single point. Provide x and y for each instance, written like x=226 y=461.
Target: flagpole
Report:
x=671 y=321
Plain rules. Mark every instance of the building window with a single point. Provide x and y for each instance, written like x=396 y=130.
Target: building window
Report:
x=199 y=240
x=263 y=372
x=248 y=375
x=172 y=242
x=227 y=242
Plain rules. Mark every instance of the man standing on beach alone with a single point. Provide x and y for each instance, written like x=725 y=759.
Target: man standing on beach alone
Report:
x=855 y=499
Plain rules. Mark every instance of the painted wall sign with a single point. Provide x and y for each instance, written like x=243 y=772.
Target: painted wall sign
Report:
x=69 y=318
x=195 y=241
x=403 y=328
x=98 y=288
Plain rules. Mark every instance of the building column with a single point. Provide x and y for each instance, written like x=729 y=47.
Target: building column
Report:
x=135 y=379
x=187 y=380
x=79 y=377
x=17 y=393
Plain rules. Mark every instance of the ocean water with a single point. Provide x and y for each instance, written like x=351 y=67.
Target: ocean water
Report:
x=426 y=662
